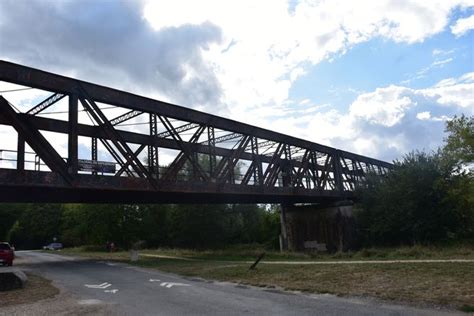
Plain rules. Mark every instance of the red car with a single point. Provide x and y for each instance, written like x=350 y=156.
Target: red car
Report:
x=6 y=254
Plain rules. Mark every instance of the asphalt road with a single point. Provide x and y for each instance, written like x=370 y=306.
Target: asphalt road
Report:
x=135 y=291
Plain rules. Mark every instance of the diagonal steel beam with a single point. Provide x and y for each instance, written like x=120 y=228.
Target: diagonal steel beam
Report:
x=43 y=105
x=179 y=130
x=298 y=181
x=36 y=141
x=127 y=164
x=125 y=117
x=181 y=159
x=271 y=173
x=118 y=142
x=116 y=156
x=184 y=148
x=227 y=166
x=223 y=138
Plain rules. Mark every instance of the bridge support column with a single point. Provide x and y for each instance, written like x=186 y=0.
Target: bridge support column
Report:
x=283 y=223
x=315 y=228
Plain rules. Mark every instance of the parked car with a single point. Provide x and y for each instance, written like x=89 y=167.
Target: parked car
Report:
x=7 y=254
x=54 y=246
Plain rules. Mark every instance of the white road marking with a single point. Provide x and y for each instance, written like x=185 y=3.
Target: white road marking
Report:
x=89 y=302
x=111 y=291
x=98 y=286
x=111 y=264
x=171 y=284
x=154 y=280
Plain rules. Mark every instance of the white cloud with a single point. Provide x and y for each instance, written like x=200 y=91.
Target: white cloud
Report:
x=385 y=123
x=266 y=46
x=462 y=26
x=394 y=120
x=442 y=52
x=384 y=106
x=423 y=115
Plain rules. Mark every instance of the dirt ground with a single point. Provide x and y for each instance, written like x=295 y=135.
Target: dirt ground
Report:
x=41 y=297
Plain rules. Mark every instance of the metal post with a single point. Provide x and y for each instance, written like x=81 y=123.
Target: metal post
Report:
x=337 y=172
x=72 y=135
x=211 y=138
x=20 y=159
x=153 y=162
x=94 y=152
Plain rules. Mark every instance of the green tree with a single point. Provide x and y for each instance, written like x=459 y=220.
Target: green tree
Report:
x=460 y=140
x=409 y=206
x=9 y=214
x=426 y=197
x=38 y=225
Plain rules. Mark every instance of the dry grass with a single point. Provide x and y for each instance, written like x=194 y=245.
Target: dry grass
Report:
x=445 y=284
x=250 y=252
x=36 y=289
x=429 y=283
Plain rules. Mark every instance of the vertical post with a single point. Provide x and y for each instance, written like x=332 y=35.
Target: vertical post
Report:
x=20 y=159
x=94 y=152
x=211 y=138
x=284 y=230
x=286 y=168
x=72 y=135
x=258 y=173
x=337 y=171
x=153 y=162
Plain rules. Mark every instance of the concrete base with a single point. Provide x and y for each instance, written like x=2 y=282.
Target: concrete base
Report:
x=11 y=279
x=309 y=228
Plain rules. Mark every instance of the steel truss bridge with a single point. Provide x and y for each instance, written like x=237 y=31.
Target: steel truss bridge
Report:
x=155 y=152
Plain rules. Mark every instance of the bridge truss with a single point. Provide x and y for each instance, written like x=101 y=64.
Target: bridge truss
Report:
x=160 y=152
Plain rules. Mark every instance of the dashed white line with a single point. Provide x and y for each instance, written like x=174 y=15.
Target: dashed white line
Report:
x=111 y=291
x=171 y=284
x=98 y=286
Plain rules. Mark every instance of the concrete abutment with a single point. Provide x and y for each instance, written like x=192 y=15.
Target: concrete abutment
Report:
x=318 y=228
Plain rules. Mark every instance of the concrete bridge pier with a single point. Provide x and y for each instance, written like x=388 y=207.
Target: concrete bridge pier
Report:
x=317 y=227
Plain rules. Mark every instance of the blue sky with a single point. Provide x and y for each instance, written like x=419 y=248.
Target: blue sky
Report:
x=381 y=62
x=379 y=78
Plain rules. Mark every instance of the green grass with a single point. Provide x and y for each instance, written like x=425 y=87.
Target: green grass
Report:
x=445 y=284
x=467 y=309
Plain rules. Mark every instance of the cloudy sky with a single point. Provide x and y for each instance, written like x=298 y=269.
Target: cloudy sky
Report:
x=379 y=78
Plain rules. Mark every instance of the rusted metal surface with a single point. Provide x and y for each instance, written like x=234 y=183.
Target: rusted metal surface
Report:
x=215 y=160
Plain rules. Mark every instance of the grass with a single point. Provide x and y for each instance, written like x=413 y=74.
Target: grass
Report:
x=36 y=289
x=442 y=284
x=246 y=253
x=467 y=309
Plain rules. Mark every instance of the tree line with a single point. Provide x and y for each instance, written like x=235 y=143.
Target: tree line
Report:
x=30 y=226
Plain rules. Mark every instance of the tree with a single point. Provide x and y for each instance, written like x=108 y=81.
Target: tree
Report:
x=426 y=197
x=9 y=214
x=38 y=225
x=409 y=206
x=460 y=141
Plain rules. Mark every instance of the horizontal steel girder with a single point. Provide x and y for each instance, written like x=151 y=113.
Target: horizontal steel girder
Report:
x=34 y=186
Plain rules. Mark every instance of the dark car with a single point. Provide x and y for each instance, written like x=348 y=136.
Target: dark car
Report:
x=6 y=254
x=54 y=246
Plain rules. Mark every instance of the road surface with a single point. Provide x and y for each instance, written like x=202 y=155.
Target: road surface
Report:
x=129 y=290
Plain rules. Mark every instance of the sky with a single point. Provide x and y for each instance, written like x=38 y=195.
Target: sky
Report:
x=379 y=78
